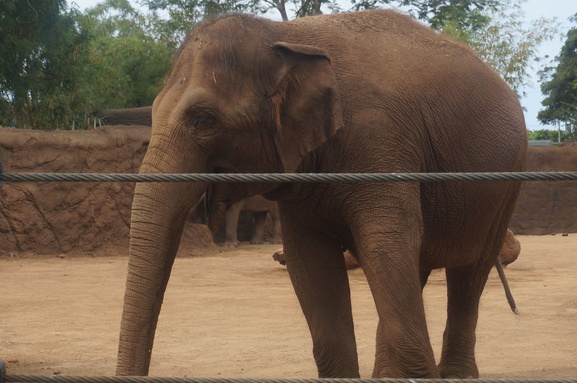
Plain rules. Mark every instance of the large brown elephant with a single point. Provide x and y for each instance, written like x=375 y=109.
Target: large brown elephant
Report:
x=359 y=92
x=260 y=207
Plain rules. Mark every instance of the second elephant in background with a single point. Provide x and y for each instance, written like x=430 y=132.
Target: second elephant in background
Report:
x=259 y=207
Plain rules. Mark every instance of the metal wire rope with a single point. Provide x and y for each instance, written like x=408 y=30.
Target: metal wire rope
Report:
x=287 y=177
x=147 y=379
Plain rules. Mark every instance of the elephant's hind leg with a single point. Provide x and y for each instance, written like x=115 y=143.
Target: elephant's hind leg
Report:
x=465 y=286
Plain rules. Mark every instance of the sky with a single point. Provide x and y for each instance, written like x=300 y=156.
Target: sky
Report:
x=534 y=9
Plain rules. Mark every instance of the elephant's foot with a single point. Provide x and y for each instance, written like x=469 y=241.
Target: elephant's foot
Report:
x=256 y=241
x=384 y=370
x=387 y=373
x=381 y=373
x=231 y=244
x=458 y=372
x=276 y=242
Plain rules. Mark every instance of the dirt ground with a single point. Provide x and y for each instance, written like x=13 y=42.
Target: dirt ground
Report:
x=233 y=313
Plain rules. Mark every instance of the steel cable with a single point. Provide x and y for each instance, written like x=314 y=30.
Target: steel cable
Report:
x=286 y=177
x=149 y=379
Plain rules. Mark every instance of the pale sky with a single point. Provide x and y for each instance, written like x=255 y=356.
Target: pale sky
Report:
x=534 y=9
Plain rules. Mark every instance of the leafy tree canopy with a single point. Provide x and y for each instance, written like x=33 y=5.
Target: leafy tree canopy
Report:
x=551 y=135
x=58 y=64
x=185 y=13
x=505 y=40
x=560 y=85
x=463 y=13
x=38 y=44
x=127 y=62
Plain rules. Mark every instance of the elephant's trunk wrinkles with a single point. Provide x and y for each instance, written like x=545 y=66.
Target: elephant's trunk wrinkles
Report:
x=158 y=214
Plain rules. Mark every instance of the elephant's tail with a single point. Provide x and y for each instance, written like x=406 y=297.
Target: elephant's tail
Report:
x=508 y=294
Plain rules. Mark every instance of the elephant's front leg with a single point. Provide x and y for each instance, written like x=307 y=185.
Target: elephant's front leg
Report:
x=382 y=366
x=403 y=345
x=231 y=224
x=388 y=239
x=318 y=274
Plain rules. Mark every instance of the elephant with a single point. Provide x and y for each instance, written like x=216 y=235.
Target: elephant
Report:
x=361 y=92
x=259 y=207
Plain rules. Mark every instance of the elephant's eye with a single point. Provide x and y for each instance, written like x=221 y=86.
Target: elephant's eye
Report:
x=202 y=121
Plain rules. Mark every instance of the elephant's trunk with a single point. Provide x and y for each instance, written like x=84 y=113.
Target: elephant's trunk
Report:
x=159 y=211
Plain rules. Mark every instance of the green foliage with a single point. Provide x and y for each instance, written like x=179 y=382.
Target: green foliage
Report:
x=38 y=46
x=496 y=29
x=58 y=66
x=437 y=13
x=126 y=63
x=505 y=41
x=184 y=14
x=542 y=134
x=560 y=85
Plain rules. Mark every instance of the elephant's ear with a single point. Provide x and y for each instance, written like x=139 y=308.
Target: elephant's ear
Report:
x=306 y=104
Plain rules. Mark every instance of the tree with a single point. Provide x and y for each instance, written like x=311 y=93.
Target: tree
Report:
x=59 y=65
x=437 y=13
x=38 y=45
x=127 y=62
x=505 y=41
x=559 y=85
x=184 y=14
x=546 y=134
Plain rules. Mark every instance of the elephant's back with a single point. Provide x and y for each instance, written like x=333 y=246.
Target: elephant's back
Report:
x=376 y=40
x=416 y=83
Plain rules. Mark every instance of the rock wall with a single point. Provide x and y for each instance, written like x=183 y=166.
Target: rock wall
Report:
x=54 y=217
x=548 y=207
x=44 y=218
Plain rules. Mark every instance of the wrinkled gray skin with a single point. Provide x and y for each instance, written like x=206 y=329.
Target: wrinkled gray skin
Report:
x=359 y=92
x=260 y=207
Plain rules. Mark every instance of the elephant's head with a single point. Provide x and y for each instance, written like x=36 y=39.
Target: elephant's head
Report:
x=239 y=99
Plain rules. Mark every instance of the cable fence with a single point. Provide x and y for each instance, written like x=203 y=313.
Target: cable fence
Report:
x=287 y=177
x=151 y=379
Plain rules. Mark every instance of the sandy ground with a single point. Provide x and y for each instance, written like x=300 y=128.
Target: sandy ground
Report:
x=233 y=313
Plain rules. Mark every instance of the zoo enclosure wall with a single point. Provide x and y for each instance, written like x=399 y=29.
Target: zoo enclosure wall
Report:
x=44 y=218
